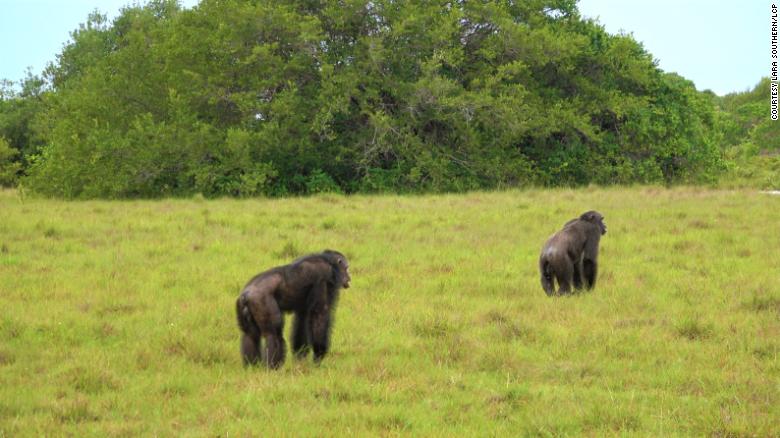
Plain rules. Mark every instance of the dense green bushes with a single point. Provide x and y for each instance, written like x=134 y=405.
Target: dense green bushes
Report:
x=241 y=97
x=750 y=138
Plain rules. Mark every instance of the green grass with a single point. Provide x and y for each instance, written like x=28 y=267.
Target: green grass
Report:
x=118 y=317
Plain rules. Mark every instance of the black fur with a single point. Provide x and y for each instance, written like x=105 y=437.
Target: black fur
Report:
x=249 y=347
x=308 y=287
x=570 y=256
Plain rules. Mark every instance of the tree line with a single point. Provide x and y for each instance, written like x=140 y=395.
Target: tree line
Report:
x=280 y=97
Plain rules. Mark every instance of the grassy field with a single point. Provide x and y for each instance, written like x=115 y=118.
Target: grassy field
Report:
x=118 y=317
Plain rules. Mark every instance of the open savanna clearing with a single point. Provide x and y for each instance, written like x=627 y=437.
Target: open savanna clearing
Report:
x=118 y=317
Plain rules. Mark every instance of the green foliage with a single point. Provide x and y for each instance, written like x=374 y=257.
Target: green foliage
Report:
x=359 y=96
x=750 y=138
x=321 y=182
x=118 y=317
x=18 y=126
x=9 y=167
x=752 y=170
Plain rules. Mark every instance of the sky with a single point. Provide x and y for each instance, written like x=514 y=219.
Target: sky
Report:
x=721 y=45
x=33 y=32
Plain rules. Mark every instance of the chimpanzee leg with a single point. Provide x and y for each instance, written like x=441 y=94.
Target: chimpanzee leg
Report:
x=577 y=277
x=268 y=317
x=250 y=349
x=564 y=274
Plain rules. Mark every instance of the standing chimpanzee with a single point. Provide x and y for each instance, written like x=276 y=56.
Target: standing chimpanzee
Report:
x=572 y=253
x=309 y=287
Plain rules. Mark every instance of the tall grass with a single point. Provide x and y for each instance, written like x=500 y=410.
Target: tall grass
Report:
x=117 y=317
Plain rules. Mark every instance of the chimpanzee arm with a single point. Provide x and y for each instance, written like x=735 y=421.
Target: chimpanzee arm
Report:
x=590 y=261
x=319 y=320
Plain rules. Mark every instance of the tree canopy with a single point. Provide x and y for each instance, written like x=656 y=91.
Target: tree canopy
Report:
x=275 y=97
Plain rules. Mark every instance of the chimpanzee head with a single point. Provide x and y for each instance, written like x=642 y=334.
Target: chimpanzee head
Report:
x=341 y=268
x=596 y=218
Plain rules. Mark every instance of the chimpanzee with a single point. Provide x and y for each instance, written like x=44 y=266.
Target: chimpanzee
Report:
x=572 y=253
x=309 y=287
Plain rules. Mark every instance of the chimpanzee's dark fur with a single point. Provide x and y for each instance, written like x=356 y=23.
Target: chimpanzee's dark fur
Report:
x=309 y=287
x=571 y=254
